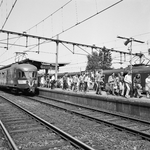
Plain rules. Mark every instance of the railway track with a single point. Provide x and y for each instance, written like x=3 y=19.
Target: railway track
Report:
x=98 y=135
x=122 y=122
x=6 y=141
x=27 y=131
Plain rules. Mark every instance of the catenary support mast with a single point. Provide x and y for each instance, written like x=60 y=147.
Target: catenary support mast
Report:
x=65 y=42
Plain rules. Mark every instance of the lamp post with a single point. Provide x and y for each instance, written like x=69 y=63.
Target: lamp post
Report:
x=56 y=64
x=130 y=40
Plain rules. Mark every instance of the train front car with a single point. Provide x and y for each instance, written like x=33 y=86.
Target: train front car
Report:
x=27 y=78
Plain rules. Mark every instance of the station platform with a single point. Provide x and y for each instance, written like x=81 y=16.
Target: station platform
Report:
x=92 y=92
x=139 y=107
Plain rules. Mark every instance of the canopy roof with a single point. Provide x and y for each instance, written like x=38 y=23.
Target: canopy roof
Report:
x=42 y=64
x=39 y=64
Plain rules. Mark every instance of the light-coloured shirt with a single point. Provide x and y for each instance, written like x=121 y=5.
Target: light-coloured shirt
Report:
x=128 y=79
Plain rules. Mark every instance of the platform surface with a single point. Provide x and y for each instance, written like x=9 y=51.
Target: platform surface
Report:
x=92 y=92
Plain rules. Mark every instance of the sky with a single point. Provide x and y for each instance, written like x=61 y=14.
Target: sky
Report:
x=47 y=18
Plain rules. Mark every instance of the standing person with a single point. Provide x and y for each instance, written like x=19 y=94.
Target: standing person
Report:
x=52 y=81
x=75 y=81
x=81 y=82
x=85 y=82
x=147 y=86
x=48 y=81
x=71 y=79
x=65 y=81
x=42 y=81
x=117 y=86
x=99 y=82
x=69 y=83
x=121 y=83
x=96 y=82
x=88 y=82
x=78 y=82
x=111 y=83
x=128 y=83
x=137 y=85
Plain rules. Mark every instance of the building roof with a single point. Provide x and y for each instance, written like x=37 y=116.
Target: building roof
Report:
x=42 y=64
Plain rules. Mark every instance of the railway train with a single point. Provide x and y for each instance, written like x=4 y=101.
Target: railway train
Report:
x=19 y=78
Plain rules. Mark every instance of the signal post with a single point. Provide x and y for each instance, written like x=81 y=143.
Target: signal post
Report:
x=130 y=40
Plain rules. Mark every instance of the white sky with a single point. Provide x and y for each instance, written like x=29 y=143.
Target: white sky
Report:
x=130 y=18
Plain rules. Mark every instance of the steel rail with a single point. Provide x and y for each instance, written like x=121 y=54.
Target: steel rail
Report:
x=120 y=127
x=63 y=134
x=9 y=138
x=98 y=110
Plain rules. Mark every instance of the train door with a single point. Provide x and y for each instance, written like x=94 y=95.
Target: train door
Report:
x=10 y=77
x=4 y=77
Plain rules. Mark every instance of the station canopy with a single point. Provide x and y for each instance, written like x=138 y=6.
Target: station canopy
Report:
x=43 y=65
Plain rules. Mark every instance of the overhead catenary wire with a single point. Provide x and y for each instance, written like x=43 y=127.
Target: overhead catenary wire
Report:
x=15 y=56
x=1 y=3
x=9 y=38
x=7 y=20
x=41 y=22
x=40 y=43
x=111 y=41
x=62 y=41
x=49 y=15
x=76 y=23
x=88 y=18
x=76 y=53
x=8 y=59
x=64 y=30
x=9 y=14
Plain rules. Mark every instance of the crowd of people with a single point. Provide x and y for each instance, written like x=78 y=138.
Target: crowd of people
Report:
x=48 y=81
x=118 y=84
x=123 y=85
x=75 y=83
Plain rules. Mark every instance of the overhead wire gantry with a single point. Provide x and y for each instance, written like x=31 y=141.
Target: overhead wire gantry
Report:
x=58 y=41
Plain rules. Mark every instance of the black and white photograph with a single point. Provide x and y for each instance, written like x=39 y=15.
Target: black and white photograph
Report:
x=74 y=74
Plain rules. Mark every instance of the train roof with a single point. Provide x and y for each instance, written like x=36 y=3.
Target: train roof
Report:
x=25 y=67
x=135 y=68
x=39 y=64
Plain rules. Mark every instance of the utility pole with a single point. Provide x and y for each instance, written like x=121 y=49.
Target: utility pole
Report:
x=130 y=40
x=56 y=64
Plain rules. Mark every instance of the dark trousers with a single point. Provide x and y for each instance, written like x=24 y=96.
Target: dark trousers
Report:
x=81 y=86
x=98 y=88
x=85 y=86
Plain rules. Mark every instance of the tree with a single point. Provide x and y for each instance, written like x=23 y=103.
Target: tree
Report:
x=99 y=60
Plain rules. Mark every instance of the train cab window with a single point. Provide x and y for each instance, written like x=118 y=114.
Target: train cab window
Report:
x=21 y=74
x=3 y=74
x=34 y=74
x=30 y=74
